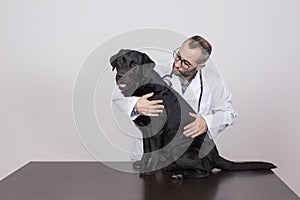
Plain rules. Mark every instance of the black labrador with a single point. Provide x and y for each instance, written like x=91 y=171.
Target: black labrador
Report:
x=164 y=144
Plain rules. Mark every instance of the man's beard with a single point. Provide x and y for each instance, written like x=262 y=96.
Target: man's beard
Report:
x=184 y=74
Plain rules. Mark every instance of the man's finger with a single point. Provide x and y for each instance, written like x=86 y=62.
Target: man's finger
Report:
x=203 y=130
x=152 y=114
x=189 y=126
x=155 y=111
x=188 y=131
x=148 y=95
x=193 y=114
x=153 y=102
x=155 y=107
x=197 y=134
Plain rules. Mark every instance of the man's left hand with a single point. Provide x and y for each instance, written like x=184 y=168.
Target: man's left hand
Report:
x=195 y=128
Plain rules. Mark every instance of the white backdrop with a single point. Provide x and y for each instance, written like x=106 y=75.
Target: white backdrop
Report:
x=44 y=44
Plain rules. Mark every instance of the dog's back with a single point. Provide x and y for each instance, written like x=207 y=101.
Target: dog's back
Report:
x=167 y=143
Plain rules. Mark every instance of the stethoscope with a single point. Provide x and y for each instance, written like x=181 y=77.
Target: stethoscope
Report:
x=167 y=79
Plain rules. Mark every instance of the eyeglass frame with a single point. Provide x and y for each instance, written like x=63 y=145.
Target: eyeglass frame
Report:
x=178 y=57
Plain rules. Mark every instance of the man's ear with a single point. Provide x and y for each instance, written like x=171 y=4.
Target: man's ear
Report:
x=200 y=66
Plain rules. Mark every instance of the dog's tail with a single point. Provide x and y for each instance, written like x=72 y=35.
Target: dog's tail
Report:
x=228 y=165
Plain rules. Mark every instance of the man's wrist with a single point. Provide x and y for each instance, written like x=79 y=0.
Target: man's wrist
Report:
x=134 y=112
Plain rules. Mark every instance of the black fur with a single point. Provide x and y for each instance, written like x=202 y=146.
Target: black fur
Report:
x=162 y=136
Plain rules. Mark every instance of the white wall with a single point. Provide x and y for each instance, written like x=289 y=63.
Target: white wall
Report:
x=44 y=43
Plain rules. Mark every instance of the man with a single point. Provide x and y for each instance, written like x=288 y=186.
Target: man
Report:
x=200 y=86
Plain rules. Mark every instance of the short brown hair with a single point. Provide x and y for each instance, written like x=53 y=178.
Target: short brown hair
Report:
x=199 y=42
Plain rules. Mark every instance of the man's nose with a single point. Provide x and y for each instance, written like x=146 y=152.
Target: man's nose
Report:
x=177 y=63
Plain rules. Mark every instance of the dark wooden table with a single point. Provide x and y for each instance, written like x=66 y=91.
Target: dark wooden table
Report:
x=93 y=180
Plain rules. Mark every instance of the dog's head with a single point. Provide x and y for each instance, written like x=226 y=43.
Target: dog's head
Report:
x=133 y=68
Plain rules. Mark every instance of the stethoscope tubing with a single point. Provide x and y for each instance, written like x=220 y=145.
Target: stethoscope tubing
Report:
x=201 y=84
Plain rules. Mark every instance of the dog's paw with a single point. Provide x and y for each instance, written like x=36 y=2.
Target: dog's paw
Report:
x=172 y=167
x=196 y=174
x=137 y=165
x=177 y=176
x=147 y=173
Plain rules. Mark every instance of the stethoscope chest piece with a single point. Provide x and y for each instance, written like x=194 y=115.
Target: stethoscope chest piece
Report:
x=167 y=78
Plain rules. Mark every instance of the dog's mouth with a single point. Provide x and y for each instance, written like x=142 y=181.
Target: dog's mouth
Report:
x=121 y=86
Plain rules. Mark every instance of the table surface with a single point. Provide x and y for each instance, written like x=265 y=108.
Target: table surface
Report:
x=94 y=180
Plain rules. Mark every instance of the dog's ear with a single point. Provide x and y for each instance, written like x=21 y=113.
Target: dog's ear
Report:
x=114 y=58
x=147 y=69
x=148 y=61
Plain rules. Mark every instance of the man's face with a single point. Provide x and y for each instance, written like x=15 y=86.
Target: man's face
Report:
x=189 y=55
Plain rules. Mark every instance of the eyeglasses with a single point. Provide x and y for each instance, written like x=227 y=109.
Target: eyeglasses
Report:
x=184 y=63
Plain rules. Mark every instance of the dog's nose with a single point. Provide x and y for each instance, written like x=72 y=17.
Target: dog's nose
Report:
x=119 y=76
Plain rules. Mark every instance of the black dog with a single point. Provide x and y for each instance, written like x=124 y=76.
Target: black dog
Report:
x=163 y=141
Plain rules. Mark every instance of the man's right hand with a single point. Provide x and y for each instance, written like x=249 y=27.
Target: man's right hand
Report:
x=149 y=108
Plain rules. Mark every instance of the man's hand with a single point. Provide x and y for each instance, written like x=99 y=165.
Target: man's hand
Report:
x=149 y=108
x=195 y=128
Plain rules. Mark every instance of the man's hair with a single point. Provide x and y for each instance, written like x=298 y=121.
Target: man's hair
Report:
x=199 y=42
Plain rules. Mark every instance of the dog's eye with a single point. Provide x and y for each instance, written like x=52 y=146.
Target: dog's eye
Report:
x=120 y=61
x=133 y=65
